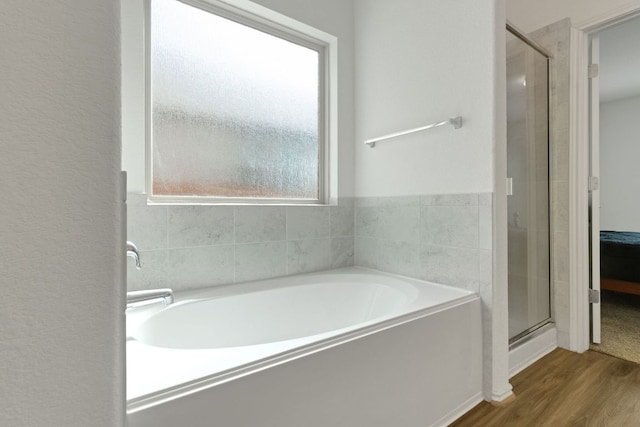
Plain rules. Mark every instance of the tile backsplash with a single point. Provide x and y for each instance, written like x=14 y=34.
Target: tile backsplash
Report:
x=189 y=247
x=440 y=238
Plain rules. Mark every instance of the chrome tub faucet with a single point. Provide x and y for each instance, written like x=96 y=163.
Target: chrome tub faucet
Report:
x=132 y=251
x=138 y=298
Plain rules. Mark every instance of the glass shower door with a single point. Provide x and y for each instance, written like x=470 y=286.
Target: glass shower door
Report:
x=528 y=172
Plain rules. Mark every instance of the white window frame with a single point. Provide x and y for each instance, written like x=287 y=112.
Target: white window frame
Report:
x=276 y=24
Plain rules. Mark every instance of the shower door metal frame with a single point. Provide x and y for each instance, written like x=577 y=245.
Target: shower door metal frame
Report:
x=522 y=36
x=523 y=336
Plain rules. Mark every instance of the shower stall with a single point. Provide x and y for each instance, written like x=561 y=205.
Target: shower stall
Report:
x=527 y=186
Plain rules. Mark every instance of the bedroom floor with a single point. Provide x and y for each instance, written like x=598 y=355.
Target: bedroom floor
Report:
x=567 y=389
x=620 y=326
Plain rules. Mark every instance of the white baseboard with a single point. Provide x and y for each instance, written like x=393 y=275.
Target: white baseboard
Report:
x=459 y=411
x=501 y=397
x=532 y=350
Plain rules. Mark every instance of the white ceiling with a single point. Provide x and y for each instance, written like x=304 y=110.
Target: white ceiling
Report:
x=620 y=61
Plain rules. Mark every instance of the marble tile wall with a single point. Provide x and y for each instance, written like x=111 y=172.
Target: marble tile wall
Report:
x=441 y=238
x=556 y=38
x=189 y=247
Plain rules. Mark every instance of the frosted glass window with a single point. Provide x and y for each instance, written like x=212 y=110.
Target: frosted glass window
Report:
x=234 y=110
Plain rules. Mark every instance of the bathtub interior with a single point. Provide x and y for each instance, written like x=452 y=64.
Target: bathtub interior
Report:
x=214 y=335
x=273 y=315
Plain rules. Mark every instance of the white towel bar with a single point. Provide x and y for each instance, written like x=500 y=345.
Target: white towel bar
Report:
x=456 y=122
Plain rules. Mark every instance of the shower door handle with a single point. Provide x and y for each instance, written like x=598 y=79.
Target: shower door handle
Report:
x=509 y=186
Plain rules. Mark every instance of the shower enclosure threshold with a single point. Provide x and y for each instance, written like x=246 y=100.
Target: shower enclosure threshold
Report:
x=532 y=347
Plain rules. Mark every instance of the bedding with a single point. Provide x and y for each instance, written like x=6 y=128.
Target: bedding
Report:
x=620 y=261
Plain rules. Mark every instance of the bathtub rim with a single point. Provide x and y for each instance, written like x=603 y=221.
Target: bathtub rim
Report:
x=257 y=285
x=187 y=388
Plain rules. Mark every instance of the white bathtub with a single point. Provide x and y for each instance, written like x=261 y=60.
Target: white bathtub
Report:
x=347 y=347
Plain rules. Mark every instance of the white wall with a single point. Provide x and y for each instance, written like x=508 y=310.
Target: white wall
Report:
x=61 y=319
x=619 y=169
x=332 y=16
x=529 y=16
x=420 y=62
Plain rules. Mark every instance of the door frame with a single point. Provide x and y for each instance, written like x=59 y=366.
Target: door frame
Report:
x=594 y=197
x=579 y=147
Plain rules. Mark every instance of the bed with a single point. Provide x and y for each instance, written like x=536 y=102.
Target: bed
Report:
x=620 y=261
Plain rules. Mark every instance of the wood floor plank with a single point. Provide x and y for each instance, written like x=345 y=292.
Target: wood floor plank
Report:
x=567 y=389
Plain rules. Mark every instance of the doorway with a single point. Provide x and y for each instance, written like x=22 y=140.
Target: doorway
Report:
x=614 y=209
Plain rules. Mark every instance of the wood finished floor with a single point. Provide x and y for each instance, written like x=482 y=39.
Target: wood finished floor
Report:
x=567 y=389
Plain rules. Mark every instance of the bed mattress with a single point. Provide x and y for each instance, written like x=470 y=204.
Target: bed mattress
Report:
x=620 y=255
